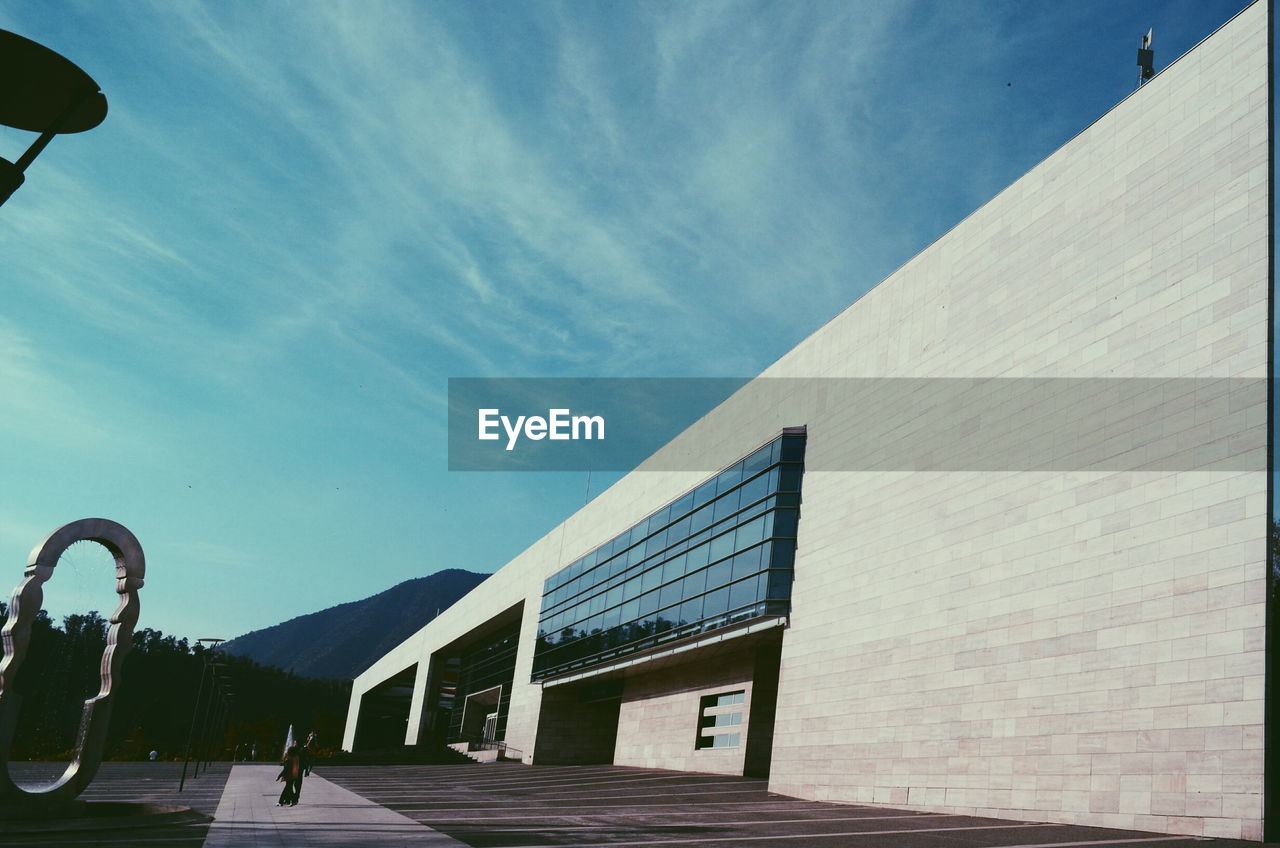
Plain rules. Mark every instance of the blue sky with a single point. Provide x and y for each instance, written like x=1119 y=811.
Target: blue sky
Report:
x=230 y=311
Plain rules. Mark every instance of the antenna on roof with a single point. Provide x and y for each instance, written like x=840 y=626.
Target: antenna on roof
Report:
x=1146 y=59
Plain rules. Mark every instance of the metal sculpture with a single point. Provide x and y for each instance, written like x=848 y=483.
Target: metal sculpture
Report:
x=16 y=635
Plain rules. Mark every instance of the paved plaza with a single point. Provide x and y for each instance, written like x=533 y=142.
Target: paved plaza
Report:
x=516 y=806
x=153 y=783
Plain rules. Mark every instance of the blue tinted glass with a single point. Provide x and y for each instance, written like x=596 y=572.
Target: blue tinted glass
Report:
x=779 y=585
x=729 y=478
x=754 y=490
x=758 y=509
x=715 y=603
x=656 y=542
x=747 y=562
x=631 y=610
x=750 y=533
x=590 y=606
x=726 y=506
x=659 y=519
x=784 y=556
x=670 y=594
x=758 y=461
x=721 y=546
x=700 y=520
x=697 y=557
x=743 y=564
x=742 y=593
x=690 y=611
x=719 y=574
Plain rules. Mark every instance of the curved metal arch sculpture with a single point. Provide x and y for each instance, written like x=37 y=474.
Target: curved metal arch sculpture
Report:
x=26 y=602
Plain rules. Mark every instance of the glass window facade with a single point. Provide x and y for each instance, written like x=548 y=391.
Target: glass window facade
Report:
x=715 y=724
x=719 y=555
x=483 y=665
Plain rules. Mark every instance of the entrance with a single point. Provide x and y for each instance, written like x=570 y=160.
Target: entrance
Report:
x=480 y=716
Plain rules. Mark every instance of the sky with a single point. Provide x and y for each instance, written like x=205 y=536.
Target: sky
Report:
x=228 y=314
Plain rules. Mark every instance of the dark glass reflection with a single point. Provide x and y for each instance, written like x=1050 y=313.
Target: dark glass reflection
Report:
x=719 y=555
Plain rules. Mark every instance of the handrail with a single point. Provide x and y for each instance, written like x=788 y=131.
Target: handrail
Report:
x=503 y=749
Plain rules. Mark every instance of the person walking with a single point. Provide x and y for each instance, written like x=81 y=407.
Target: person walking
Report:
x=291 y=774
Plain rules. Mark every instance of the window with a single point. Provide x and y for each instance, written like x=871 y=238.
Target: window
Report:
x=708 y=560
x=720 y=720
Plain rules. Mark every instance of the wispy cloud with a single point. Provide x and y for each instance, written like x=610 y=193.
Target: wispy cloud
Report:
x=299 y=219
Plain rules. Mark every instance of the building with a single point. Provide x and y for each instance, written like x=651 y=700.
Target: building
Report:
x=993 y=540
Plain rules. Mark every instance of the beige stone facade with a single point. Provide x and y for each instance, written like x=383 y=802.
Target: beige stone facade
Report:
x=1053 y=644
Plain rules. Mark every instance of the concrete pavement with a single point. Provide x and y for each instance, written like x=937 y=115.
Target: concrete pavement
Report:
x=326 y=815
x=516 y=806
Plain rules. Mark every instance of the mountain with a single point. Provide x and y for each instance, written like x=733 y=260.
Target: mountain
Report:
x=342 y=641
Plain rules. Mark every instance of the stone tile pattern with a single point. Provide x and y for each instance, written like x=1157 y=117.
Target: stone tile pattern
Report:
x=1071 y=647
x=1082 y=647
x=658 y=720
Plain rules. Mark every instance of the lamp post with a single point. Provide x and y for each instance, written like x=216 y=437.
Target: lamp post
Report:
x=224 y=721
x=202 y=741
x=195 y=712
x=43 y=92
x=217 y=715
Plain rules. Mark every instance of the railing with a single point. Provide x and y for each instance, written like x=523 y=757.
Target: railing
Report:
x=505 y=751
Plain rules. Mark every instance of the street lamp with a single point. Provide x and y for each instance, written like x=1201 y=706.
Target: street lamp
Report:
x=195 y=712
x=214 y=717
x=202 y=741
x=43 y=92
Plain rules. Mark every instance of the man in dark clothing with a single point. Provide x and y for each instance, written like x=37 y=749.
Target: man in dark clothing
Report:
x=291 y=774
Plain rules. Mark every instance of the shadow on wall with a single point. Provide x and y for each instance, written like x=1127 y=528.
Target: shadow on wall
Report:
x=578 y=725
